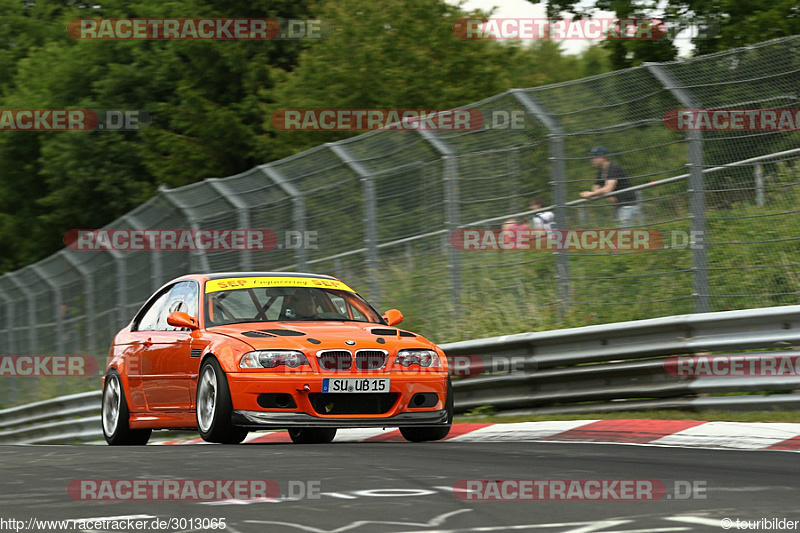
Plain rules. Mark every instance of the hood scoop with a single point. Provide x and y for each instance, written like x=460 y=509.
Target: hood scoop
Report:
x=284 y=332
x=391 y=332
x=257 y=334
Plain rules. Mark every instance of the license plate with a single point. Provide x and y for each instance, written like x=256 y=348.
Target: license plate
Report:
x=355 y=385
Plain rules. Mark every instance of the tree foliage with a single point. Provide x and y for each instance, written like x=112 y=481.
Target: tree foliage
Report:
x=712 y=25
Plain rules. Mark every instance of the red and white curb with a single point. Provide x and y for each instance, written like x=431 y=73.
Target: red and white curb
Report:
x=680 y=433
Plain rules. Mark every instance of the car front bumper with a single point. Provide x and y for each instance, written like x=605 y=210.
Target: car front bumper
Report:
x=272 y=419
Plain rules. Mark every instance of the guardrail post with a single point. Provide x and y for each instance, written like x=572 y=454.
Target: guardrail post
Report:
x=370 y=218
x=451 y=211
x=697 y=215
x=558 y=183
x=202 y=259
x=298 y=209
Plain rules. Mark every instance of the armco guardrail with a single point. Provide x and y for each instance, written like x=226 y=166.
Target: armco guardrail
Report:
x=603 y=368
x=590 y=369
x=73 y=418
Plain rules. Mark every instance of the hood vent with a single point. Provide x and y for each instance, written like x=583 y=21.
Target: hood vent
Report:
x=257 y=334
x=383 y=331
x=406 y=334
x=285 y=332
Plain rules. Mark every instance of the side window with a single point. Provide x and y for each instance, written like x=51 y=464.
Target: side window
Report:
x=182 y=297
x=149 y=316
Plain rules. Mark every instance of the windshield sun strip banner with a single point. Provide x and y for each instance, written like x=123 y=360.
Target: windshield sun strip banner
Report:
x=228 y=284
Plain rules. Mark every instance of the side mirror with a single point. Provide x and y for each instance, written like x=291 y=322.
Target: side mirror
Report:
x=393 y=316
x=179 y=319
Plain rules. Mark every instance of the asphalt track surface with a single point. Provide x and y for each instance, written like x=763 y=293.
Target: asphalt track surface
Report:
x=398 y=487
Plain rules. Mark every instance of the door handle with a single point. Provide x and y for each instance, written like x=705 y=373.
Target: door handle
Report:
x=148 y=343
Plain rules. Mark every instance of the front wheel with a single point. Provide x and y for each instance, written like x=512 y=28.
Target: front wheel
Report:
x=214 y=406
x=312 y=435
x=422 y=433
x=114 y=415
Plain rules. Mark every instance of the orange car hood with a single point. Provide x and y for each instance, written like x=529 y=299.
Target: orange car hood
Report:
x=331 y=334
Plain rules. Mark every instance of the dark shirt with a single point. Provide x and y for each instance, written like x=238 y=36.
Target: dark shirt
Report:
x=615 y=172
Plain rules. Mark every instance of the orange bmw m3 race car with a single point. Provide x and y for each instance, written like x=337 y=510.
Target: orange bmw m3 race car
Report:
x=229 y=353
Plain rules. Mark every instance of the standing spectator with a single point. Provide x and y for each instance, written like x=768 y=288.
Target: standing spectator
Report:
x=611 y=178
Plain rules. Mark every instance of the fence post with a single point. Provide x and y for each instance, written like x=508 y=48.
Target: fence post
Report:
x=122 y=290
x=298 y=209
x=202 y=261
x=58 y=302
x=156 y=274
x=31 y=311
x=759 y=177
x=9 y=347
x=32 y=344
x=697 y=215
x=370 y=218
x=89 y=308
x=451 y=213
x=242 y=213
x=558 y=183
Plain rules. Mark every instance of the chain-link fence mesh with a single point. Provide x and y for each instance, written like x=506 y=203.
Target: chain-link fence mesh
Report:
x=383 y=206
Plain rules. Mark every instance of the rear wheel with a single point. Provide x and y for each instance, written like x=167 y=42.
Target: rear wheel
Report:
x=312 y=435
x=422 y=433
x=214 y=406
x=115 y=416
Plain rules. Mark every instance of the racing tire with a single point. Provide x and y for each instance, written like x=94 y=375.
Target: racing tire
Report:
x=214 y=406
x=115 y=416
x=312 y=435
x=429 y=433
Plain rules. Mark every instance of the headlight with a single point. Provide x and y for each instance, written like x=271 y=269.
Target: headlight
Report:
x=419 y=357
x=273 y=359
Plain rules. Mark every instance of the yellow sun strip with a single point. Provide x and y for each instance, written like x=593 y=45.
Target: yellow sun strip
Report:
x=227 y=284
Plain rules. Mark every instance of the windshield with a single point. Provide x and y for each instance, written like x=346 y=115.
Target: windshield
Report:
x=271 y=304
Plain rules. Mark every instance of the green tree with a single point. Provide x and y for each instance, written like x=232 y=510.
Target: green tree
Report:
x=716 y=24
x=401 y=54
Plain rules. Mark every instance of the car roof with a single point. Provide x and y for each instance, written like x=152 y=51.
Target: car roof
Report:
x=218 y=275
